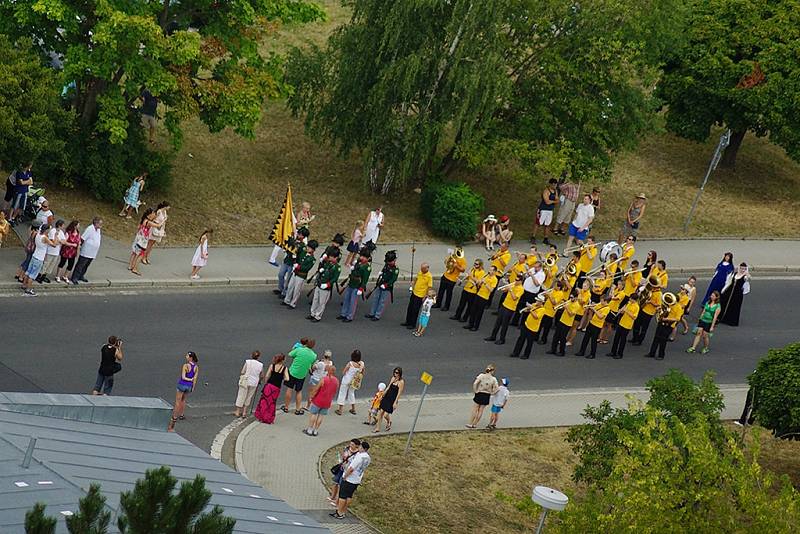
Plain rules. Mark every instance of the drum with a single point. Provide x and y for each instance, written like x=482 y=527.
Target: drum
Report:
x=612 y=247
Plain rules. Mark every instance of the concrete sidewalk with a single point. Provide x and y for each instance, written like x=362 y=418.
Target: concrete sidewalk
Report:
x=247 y=265
x=287 y=462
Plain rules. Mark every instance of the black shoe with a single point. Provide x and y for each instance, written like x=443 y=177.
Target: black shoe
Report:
x=648 y=355
x=590 y=357
x=473 y=329
x=543 y=342
x=560 y=354
x=369 y=316
x=462 y=320
x=490 y=338
x=339 y=317
x=283 y=303
x=618 y=356
x=551 y=352
x=445 y=309
x=495 y=313
x=276 y=291
x=373 y=318
x=512 y=355
x=533 y=241
x=410 y=327
x=659 y=357
x=579 y=354
x=610 y=354
x=546 y=241
x=454 y=318
x=46 y=280
x=500 y=342
x=346 y=320
x=84 y=280
x=404 y=324
x=524 y=357
x=309 y=316
x=466 y=327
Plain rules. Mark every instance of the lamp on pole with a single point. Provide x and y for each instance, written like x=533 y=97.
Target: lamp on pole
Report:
x=548 y=499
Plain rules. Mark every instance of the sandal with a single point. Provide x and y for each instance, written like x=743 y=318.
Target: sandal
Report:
x=338 y=412
x=284 y=409
x=137 y=273
x=388 y=427
x=353 y=412
x=298 y=412
x=181 y=417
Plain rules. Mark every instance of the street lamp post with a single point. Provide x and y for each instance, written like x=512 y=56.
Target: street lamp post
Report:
x=548 y=499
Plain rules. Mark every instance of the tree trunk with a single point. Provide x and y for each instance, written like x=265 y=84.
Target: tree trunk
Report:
x=87 y=109
x=728 y=159
x=380 y=181
x=162 y=20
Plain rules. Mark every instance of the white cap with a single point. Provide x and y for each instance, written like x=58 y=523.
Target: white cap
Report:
x=381 y=386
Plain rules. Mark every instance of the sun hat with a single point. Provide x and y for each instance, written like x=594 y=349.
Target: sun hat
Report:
x=642 y=196
x=491 y=218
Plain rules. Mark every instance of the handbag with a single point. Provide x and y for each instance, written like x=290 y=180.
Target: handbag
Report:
x=335 y=469
x=117 y=368
x=243 y=381
x=356 y=383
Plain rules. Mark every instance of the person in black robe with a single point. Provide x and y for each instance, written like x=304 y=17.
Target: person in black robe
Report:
x=736 y=287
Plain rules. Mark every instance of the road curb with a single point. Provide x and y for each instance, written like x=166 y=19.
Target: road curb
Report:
x=238 y=454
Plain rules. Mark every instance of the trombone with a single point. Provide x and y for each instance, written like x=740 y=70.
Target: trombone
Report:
x=571 y=249
x=604 y=265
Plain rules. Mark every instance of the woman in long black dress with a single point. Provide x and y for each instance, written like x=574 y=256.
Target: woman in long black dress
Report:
x=390 y=398
x=736 y=287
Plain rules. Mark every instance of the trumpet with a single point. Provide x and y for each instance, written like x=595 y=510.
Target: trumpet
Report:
x=570 y=249
x=531 y=306
x=626 y=273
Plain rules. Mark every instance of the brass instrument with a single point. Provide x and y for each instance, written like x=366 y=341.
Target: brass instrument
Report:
x=450 y=262
x=667 y=301
x=551 y=260
x=626 y=273
x=570 y=249
x=604 y=265
x=531 y=306
x=652 y=282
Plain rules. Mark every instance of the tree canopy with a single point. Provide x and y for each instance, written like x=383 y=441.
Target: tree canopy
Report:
x=776 y=383
x=417 y=86
x=738 y=68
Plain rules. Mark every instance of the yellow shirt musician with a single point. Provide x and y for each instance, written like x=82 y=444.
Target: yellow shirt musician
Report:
x=571 y=309
x=553 y=299
x=500 y=259
x=475 y=274
x=422 y=284
x=599 y=315
x=616 y=299
x=534 y=320
x=550 y=275
x=629 y=314
x=653 y=303
x=628 y=250
x=588 y=254
x=601 y=284
x=632 y=280
x=513 y=294
x=584 y=297
x=519 y=268
x=612 y=269
x=488 y=283
x=457 y=267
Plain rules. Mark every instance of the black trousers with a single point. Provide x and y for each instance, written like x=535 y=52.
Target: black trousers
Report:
x=412 y=312
x=504 y=316
x=747 y=413
x=491 y=295
x=544 y=329
x=445 y=294
x=663 y=332
x=81 y=266
x=464 y=304
x=618 y=346
x=526 y=298
x=640 y=327
x=476 y=312
x=560 y=338
x=526 y=339
x=579 y=280
x=590 y=335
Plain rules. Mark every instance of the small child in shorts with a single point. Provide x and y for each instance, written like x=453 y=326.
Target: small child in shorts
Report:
x=498 y=402
x=425 y=313
x=375 y=405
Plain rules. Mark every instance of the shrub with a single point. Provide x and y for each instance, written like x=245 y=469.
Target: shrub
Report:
x=453 y=209
x=776 y=385
x=107 y=169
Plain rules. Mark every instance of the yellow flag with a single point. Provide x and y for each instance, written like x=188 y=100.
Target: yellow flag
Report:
x=284 y=225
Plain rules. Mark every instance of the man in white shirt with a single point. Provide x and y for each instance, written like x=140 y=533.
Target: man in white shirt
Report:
x=579 y=229
x=351 y=478
x=532 y=286
x=90 y=246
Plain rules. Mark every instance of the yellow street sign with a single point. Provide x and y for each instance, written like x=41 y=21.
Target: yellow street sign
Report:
x=426 y=378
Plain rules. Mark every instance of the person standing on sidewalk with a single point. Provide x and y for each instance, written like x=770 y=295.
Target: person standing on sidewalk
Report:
x=568 y=197
x=384 y=286
x=327 y=278
x=41 y=242
x=157 y=231
x=544 y=213
x=186 y=384
x=338 y=470
x=352 y=376
x=90 y=246
x=200 y=258
x=484 y=386
x=373 y=225
x=633 y=217
x=422 y=284
x=321 y=400
x=277 y=374
x=303 y=357
x=356 y=285
x=351 y=478
x=579 y=228
x=110 y=356
x=390 y=399
x=251 y=374
x=69 y=251
x=498 y=401
x=55 y=235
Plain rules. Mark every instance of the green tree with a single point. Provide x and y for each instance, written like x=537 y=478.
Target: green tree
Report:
x=154 y=506
x=671 y=477
x=92 y=517
x=776 y=384
x=31 y=116
x=416 y=87
x=738 y=68
x=38 y=523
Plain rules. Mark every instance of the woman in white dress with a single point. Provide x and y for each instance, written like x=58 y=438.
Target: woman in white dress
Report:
x=351 y=381
x=373 y=224
x=201 y=254
x=158 y=231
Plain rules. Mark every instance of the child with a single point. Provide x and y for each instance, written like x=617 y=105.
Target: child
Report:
x=355 y=244
x=4 y=227
x=499 y=401
x=425 y=313
x=375 y=405
x=318 y=370
x=201 y=254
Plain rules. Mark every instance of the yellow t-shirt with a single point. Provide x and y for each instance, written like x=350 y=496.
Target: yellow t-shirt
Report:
x=664 y=277
x=630 y=311
x=477 y=273
x=460 y=267
x=550 y=276
x=627 y=254
x=675 y=312
x=423 y=283
x=489 y=283
x=512 y=296
x=569 y=313
x=531 y=261
x=551 y=300
x=651 y=305
x=601 y=284
x=517 y=270
x=500 y=260
x=683 y=300
x=534 y=318
x=587 y=258
x=632 y=283
x=583 y=299
x=612 y=269
x=616 y=298
x=599 y=315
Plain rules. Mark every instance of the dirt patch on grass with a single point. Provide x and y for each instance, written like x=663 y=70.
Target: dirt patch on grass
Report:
x=453 y=481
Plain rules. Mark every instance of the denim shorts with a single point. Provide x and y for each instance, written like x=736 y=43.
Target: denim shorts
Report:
x=316 y=410
x=184 y=388
x=34 y=266
x=497 y=409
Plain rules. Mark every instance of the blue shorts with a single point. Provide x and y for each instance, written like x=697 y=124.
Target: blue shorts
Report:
x=316 y=410
x=34 y=266
x=423 y=320
x=184 y=388
x=20 y=201
x=573 y=231
x=497 y=409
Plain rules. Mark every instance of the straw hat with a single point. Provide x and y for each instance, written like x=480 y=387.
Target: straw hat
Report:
x=641 y=195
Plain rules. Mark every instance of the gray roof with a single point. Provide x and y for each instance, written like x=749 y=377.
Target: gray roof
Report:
x=70 y=455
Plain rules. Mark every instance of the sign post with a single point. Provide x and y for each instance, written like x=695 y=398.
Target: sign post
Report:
x=425 y=379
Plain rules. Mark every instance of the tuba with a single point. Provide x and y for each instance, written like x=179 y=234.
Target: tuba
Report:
x=667 y=301
x=652 y=283
x=450 y=262
x=551 y=260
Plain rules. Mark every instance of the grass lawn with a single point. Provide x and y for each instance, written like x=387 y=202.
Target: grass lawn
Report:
x=236 y=186
x=451 y=480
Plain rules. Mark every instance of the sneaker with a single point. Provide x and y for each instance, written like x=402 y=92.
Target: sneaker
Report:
x=690 y=350
x=336 y=515
x=273 y=263
x=30 y=292
x=704 y=351
x=195 y=277
x=738 y=423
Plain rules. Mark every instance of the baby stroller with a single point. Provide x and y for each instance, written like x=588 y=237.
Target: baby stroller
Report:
x=34 y=203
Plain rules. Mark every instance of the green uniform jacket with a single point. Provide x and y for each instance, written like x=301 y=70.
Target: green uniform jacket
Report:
x=389 y=277
x=328 y=274
x=305 y=265
x=359 y=276
x=289 y=258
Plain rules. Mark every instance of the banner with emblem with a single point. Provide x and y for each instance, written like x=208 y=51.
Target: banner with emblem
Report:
x=283 y=230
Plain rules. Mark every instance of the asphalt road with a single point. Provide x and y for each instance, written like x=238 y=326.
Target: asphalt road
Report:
x=51 y=343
